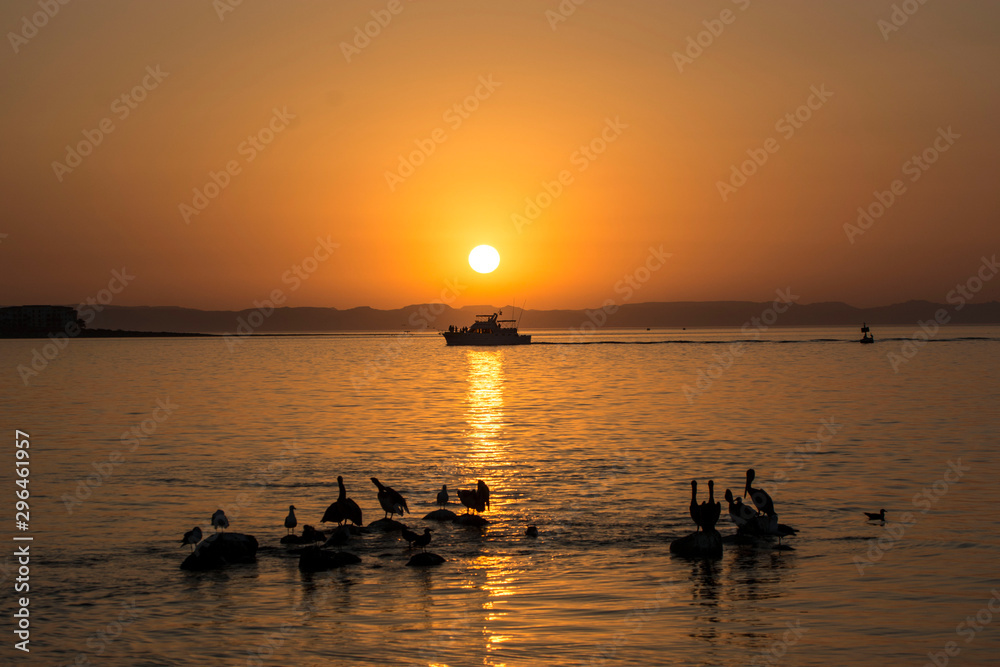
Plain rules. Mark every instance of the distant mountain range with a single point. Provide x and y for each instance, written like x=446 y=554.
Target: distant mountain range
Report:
x=433 y=317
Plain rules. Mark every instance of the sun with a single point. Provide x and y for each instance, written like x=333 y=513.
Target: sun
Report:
x=484 y=258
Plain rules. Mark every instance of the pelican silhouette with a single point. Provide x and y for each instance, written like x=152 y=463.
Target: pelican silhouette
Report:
x=741 y=514
x=290 y=520
x=192 y=537
x=469 y=498
x=695 y=508
x=390 y=500
x=343 y=508
x=761 y=500
x=423 y=540
x=876 y=516
x=710 y=511
x=219 y=521
x=442 y=498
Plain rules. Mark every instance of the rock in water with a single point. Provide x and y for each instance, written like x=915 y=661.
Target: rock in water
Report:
x=386 y=525
x=308 y=536
x=222 y=549
x=471 y=520
x=441 y=515
x=314 y=559
x=424 y=559
x=698 y=545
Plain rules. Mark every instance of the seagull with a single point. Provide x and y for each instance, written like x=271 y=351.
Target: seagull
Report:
x=410 y=537
x=760 y=499
x=443 y=495
x=343 y=508
x=423 y=540
x=469 y=498
x=770 y=526
x=483 y=493
x=219 y=520
x=290 y=520
x=695 y=508
x=876 y=516
x=710 y=511
x=390 y=500
x=192 y=537
x=741 y=514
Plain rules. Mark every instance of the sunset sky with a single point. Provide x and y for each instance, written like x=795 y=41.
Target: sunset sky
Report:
x=533 y=88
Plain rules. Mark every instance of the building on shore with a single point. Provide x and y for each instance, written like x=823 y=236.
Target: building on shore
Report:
x=34 y=321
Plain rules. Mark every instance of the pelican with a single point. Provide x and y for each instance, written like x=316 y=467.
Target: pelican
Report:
x=469 y=498
x=192 y=537
x=741 y=514
x=290 y=520
x=483 y=493
x=343 y=508
x=390 y=500
x=219 y=521
x=443 y=495
x=876 y=516
x=410 y=537
x=423 y=540
x=710 y=511
x=760 y=499
x=695 y=508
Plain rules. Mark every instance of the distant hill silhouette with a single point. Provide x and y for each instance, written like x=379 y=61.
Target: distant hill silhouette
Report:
x=420 y=317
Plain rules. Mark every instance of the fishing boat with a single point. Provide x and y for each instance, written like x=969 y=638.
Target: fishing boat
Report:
x=866 y=337
x=486 y=330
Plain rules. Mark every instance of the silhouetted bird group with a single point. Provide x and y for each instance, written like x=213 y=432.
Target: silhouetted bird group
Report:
x=762 y=521
x=477 y=499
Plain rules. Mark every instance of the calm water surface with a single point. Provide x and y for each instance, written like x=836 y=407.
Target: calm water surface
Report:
x=596 y=444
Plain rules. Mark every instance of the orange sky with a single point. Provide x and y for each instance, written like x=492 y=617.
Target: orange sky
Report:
x=669 y=138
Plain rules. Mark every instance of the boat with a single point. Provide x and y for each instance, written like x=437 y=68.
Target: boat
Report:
x=486 y=330
x=866 y=337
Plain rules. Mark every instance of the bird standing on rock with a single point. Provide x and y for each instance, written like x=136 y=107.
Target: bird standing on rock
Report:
x=343 y=508
x=219 y=521
x=290 y=520
x=695 y=508
x=710 y=511
x=483 y=494
x=410 y=537
x=423 y=540
x=390 y=500
x=761 y=500
x=741 y=514
x=443 y=496
x=192 y=537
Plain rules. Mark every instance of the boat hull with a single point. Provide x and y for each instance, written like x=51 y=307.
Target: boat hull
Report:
x=485 y=339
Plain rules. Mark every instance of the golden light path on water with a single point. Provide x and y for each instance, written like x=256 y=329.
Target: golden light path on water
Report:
x=487 y=451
